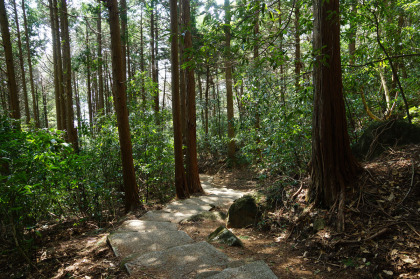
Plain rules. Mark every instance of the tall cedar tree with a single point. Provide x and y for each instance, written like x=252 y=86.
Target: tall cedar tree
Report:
x=193 y=178
x=333 y=167
x=132 y=200
x=229 y=91
x=180 y=179
x=101 y=104
x=22 y=67
x=11 y=77
x=31 y=75
x=153 y=58
x=65 y=39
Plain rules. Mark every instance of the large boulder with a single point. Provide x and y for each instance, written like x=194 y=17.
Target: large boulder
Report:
x=223 y=235
x=242 y=213
x=381 y=135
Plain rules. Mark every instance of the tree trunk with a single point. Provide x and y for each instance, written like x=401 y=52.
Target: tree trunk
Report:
x=22 y=67
x=101 y=105
x=31 y=76
x=44 y=103
x=333 y=166
x=298 y=64
x=77 y=96
x=142 y=69
x=123 y=14
x=132 y=200
x=56 y=82
x=11 y=77
x=153 y=60
x=89 y=89
x=352 y=43
x=60 y=106
x=193 y=178
x=180 y=180
x=229 y=91
x=206 y=106
x=71 y=131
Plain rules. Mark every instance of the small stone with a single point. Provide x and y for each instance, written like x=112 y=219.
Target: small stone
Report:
x=223 y=235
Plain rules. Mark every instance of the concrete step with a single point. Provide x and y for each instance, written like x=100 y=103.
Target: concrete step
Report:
x=257 y=270
x=181 y=262
x=126 y=243
x=144 y=226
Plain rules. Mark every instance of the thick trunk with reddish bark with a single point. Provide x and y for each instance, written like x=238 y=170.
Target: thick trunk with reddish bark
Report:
x=333 y=166
x=132 y=200
x=180 y=180
x=193 y=179
x=65 y=38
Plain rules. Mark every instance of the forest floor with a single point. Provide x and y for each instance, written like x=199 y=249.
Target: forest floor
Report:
x=381 y=239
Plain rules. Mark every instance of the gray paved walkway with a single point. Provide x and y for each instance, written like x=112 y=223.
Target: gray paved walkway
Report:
x=153 y=247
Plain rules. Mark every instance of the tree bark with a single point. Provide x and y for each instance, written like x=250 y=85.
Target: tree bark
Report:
x=298 y=64
x=101 y=105
x=229 y=91
x=142 y=68
x=11 y=77
x=89 y=83
x=180 y=179
x=44 y=103
x=193 y=178
x=31 y=76
x=132 y=200
x=123 y=15
x=333 y=166
x=22 y=68
x=352 y=43
x=71 y=130
x=60 y=106
x=153 y=60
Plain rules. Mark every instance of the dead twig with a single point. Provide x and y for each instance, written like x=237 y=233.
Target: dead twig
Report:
x=355 y=241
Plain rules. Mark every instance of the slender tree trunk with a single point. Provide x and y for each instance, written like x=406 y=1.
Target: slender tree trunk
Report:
x=31 y=76
x=44 y=102
x=180 y=179
x=298 y=64
x=89 y=89
x=101 y=105
x=62 y=98
x=56 y=82
x=352 y=43
x=153 y=59
x=71 y=131
x=123 y=15
x=142 y=68
x=77 y=96
x=11 y=77
x=229 y=91
x=132 y=200
x=333 y=166
x=22 y=67
x=257 y=83
x=107 y=89
x=206 y=105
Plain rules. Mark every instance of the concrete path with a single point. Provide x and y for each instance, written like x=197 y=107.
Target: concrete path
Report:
x=152 y=247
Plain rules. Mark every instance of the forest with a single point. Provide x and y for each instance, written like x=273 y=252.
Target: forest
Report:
x=114 y=109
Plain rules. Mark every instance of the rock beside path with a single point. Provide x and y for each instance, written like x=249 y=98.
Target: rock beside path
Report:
x=242 y=213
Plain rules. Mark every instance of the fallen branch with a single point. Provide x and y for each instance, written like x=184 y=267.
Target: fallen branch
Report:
x=355 y=241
